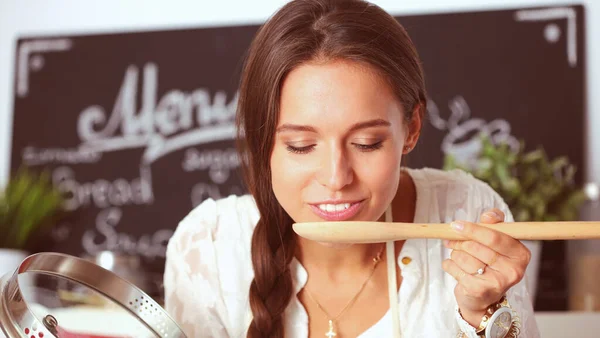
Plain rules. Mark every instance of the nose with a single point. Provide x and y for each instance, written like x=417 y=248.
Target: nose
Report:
x=336 y=170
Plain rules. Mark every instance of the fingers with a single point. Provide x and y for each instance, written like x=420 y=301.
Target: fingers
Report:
x=492 y=216
x=467 y=262
x=502 y=258
x=465 y=279
x=472 y=286
x=504 y=270
x=495 y=240
x=479 y=251
x=454 y=270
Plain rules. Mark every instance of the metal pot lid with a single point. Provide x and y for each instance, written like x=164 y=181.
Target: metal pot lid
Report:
x=22 y=315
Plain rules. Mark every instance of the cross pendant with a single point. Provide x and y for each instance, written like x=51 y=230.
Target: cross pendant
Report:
x=331 y=334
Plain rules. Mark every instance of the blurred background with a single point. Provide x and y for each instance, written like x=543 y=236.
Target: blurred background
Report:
x=116 y=119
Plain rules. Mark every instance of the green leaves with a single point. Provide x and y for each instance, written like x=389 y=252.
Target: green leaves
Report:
x=28 y=203
x=534 y=187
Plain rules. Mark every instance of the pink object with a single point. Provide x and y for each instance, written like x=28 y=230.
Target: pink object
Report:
x=66 y=334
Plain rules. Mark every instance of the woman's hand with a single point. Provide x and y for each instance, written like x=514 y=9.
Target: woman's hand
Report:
x=502 y=258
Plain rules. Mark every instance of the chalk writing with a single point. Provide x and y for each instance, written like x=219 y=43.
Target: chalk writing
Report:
x=104 y=237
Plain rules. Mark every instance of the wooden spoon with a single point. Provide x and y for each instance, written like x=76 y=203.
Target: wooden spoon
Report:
x=377 y=232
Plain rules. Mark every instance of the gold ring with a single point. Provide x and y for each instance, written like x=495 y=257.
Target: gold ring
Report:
x=493 y=259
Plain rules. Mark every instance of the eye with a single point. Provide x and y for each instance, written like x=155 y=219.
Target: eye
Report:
x=368 y=147
x=300 y=150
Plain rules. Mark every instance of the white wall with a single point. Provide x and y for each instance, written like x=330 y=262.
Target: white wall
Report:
x=18 y=17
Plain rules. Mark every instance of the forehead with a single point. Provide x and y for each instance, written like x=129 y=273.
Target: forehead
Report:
x=316 y=93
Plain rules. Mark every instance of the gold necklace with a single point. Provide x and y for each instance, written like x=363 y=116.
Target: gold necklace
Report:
x=331 y=333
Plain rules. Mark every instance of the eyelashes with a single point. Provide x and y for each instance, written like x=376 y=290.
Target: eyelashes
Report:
x=368 y=147
x=300 y=150
x=359 y=146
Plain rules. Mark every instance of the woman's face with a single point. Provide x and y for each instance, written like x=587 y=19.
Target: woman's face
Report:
x=338 y=144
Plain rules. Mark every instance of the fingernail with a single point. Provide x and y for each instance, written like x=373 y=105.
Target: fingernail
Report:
x=495 y=214
x=457 y=226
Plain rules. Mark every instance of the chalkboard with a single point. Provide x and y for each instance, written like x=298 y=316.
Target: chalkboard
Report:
x=137 y=128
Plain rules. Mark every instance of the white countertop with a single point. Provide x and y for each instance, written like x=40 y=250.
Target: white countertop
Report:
x=569 y=324
x=551 y=324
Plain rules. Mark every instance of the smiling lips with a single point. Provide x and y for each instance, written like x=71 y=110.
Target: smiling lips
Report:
x=340 y=211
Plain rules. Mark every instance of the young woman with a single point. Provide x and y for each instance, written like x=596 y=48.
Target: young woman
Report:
x=332 y=96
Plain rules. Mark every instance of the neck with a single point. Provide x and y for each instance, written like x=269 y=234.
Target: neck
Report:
x=337 y=263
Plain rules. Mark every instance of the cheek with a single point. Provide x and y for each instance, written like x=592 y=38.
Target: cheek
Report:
x=285 y=171
x=288 y=177
x=381 y=175
x=278 y=174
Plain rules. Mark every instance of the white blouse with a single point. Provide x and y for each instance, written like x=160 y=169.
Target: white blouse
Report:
x=209 y=270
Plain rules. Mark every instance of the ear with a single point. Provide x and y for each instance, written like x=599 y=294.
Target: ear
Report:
x=414 y=127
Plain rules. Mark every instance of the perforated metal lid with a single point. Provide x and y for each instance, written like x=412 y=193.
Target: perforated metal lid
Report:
x=20 y=318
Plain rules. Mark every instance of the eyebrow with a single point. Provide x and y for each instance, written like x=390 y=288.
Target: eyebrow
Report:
x=360 y=125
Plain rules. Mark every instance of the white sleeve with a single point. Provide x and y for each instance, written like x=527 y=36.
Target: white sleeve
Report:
x=518 y=296
x=193 y=295
x=519 y=300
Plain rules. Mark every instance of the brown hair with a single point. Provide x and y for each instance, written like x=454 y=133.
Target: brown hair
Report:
x=303 y=31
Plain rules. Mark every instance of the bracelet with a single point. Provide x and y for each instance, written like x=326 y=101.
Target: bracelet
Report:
x=488 y=314
x=513 y=330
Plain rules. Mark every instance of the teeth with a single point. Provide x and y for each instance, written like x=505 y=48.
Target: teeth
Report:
x=340 y=207
x=334 y=207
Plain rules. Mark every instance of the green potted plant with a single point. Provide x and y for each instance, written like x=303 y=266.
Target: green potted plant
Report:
x=534 y=187
x=28 y=204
